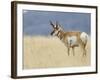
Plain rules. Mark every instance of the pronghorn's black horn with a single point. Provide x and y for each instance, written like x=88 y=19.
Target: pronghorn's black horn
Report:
x=57 y=25
x=52 y=24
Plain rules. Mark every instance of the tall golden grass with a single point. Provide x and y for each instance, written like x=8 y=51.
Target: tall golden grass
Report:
x=49 y=52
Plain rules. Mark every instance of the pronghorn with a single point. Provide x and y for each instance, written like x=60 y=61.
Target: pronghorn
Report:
x=70 y=39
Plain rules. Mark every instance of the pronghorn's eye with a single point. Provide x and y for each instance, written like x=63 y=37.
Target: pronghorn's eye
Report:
x=57 y=28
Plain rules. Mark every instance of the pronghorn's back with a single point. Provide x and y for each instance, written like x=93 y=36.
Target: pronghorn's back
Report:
x=73 y=33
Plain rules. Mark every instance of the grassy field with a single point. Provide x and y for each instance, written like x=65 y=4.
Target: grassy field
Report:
x=47 y=52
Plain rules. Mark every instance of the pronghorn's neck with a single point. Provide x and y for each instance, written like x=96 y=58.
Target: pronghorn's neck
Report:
x=60 y=34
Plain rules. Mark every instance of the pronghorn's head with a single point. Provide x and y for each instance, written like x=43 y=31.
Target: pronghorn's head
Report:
x=56 y=29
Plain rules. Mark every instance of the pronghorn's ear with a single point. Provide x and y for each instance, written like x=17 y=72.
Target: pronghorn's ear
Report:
x=60 y=25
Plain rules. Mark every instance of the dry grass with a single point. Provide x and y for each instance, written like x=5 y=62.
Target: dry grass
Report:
x=46 y=52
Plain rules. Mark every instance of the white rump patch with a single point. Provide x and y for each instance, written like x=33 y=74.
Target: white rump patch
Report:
x=84 y=37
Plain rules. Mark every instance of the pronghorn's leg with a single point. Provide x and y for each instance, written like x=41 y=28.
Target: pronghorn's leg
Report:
x=68 y=51
x=73 y=51
x=84 y=39
x=83 y=48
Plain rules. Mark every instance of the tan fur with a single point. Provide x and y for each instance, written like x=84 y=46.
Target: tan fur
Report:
x=64 y=37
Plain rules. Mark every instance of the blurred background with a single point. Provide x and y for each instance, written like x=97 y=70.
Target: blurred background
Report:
x=38 y=22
